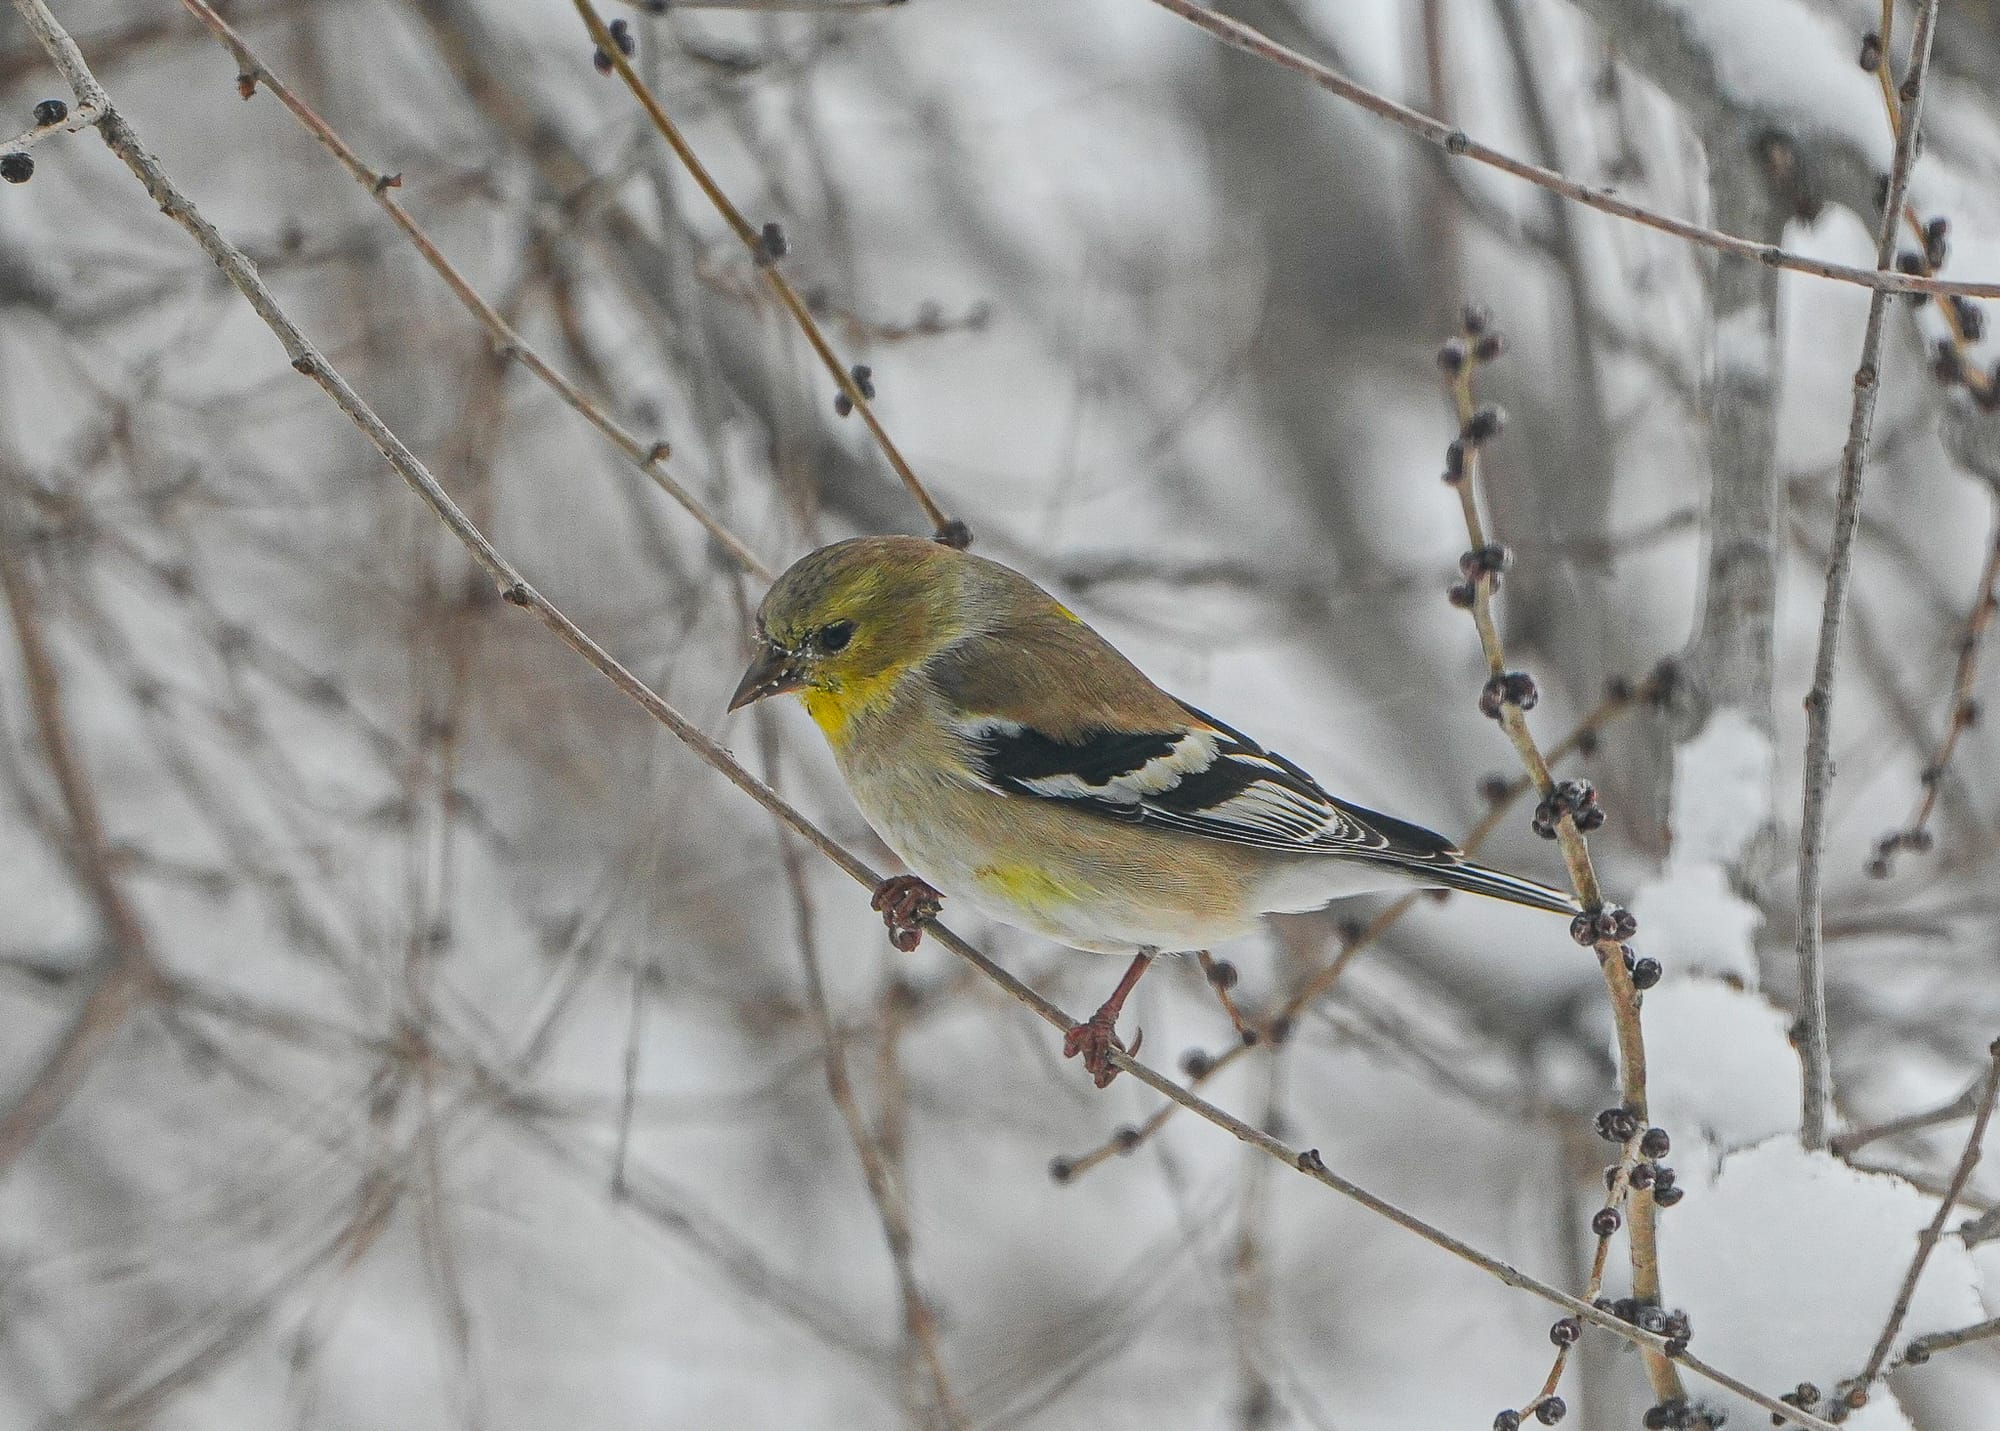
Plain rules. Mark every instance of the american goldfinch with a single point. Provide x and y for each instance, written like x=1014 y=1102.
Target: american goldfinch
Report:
x=1015 y=760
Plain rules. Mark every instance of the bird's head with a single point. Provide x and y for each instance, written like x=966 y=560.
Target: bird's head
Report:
x=845 y=622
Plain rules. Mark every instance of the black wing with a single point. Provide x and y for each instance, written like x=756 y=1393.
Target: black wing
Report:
x=1203 y=779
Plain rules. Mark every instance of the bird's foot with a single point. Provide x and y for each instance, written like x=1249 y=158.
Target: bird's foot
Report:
x=1095 y=1039
x=906 y=904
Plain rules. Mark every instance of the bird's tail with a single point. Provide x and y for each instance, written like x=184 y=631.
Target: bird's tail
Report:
x=1478 y=879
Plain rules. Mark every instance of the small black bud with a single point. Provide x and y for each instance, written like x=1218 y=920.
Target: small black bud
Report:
x=1667 y=1197
x=1484 y=425
x=842 y=404
x=1222 y=974
x=1617 y=1125
x=1909 y=261
x=1475 y=319
x=1061 y=1170
x=1656 y=1143
x=864 y=380
x=50 y=111
x=1971 y=317
x=621 y=34
x=1451 y=357
x=1566 y=1331
x=1871 y=52
x=1489 y=346
x=1125 y=1139
x=17 y=168
x=1507 y=1421
x=1551 y=1410
x=1606 y=1221
x=1196 y=1064
x=772 y=244
x=1937 y=237
x=1461 y=594
x=1642 y=1176
x=1454 y=461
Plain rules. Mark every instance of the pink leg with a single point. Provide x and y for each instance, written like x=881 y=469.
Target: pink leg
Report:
x=1095 y=1038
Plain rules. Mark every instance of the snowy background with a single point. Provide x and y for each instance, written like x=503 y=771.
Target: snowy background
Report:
x=476 y=1081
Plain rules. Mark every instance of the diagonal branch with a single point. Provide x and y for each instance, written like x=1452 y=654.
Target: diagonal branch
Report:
x=766 y=249
x=1240 y=36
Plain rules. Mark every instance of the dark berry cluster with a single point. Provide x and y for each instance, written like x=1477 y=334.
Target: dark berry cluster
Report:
x=772 y=244
x=1680 y=1414
x=1509 y=688
x=1485 y=563
x=1950 y=363
x=621 y=36
x=1653 y=1175
x=1806 y=1398
x=1574 y=798
x=1481 y=348
x=1607 y=922
x=1618 y=1125
x=1674 y=1326
x=1645 y=972
x=864 y=383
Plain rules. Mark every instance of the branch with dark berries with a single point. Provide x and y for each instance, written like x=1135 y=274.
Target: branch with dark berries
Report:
x=1915 y=835
x=52 y=116
x=767 y=246
x=1506 y=698
x=1964 y=321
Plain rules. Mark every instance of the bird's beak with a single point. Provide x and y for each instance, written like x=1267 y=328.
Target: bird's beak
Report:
x=771 y=674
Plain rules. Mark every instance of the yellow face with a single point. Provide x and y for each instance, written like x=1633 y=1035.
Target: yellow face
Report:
x=844 y=622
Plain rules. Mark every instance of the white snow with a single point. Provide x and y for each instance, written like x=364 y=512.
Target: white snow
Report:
x=1790 y=1260
x=1693 y=922
x=1689 y=916
x=1785 y=58
x=1719 y=1063
x=1722 y=784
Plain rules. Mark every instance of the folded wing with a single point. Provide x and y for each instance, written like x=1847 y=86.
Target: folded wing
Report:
x=1202 y=779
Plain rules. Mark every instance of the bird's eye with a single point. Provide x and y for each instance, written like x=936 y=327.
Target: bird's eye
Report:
x=836 y=636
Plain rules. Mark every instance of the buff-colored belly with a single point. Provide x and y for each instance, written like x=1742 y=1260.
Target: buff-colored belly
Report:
x=1094 y=884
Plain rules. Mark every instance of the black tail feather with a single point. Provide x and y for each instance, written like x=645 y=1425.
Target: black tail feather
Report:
x=1494 y=884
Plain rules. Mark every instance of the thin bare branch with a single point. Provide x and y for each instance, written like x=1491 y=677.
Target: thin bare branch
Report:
x=1240 y=36
x=1816 y=1061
